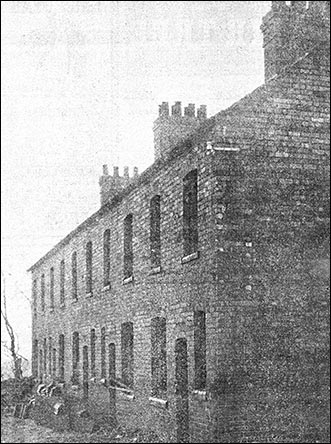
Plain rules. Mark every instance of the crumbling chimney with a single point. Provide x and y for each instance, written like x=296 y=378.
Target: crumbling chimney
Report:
x=170 y=130
x=290 y=31
x=110 y=186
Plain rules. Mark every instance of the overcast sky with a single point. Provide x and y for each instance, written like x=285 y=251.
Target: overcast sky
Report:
x=81 y=84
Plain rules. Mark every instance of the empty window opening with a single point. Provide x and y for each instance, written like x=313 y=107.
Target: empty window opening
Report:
x=103 y=352
x=92 y=344
x=127 y=353
x=200 y=350
x=89 y=267
x=45 y=358
x=42 y=292
x=106 y=258
x=41 y=365
x=128 y=247
x=155 y=231
x=35 y=358
x=62 y=283
x=34 y=296
x=54 y=357
x=159 y=357
x=74 y=293
x=112 y=363
x=61 y=358
x=50 y=348
x=190 y=213
x=75 y=357
x=51 y=288
x=85 y=372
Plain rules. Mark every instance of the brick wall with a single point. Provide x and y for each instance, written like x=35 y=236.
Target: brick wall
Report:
x=174 y=293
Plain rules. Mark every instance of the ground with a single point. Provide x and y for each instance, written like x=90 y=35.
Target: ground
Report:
x=14 y=430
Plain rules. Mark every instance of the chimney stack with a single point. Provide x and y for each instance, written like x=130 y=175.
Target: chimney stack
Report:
x=110 y=186
x=170 y=130
x=290 y=31
x=176 y=109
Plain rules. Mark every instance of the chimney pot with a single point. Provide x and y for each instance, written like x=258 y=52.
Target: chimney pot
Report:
x=176 y=109
x=164 y=109
x=105 y=170
x=202 y=112
x=190 y=110
x=135 y=172
x=126 y=172
x=116 y=171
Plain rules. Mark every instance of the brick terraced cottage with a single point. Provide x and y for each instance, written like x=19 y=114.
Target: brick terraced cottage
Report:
x=195 y=301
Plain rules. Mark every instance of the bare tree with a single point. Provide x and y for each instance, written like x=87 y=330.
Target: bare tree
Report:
x=13 y=347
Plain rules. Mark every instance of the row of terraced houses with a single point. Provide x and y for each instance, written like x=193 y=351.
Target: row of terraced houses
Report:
x=195 y=301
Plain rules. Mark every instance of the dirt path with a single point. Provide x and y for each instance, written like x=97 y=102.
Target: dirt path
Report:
x=14 y=430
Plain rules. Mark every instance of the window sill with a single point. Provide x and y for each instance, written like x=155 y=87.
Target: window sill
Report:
x=126 y=396
x=201 y=395
x=156 y=270
x=74 y=301
x=89 y=295
x=190 y=257
x=106 y=287
x=158 y=402
x=62 y=305
x=127 y=280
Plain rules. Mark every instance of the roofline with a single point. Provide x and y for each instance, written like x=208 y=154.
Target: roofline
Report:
x=176 y=152
x=145 y=177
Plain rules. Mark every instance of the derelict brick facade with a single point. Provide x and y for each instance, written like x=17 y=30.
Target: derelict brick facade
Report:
x=260 y=272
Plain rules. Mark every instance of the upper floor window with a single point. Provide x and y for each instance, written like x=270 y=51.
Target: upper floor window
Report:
x=89 y=267
x=155 y=231
x=74 y=276
x=51 y=288
x=106 y=258
x=159 y=357
x=34 y=296
x=200 y=350
x=128 y=246
x=92 y=345
x=62 y=281
x=42 y=292
x=190 y=212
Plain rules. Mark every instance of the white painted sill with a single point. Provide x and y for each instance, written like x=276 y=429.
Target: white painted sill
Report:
x=107 y=287
x=201 y=395
x=190 y=257
x=158 y=402
x=127 y=280
x=156 y=270
x=89 y=295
